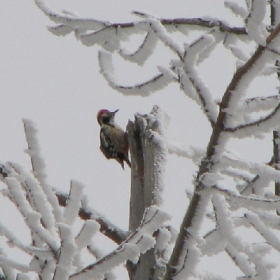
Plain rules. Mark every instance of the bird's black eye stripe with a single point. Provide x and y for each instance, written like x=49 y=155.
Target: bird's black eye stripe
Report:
x=105 y=119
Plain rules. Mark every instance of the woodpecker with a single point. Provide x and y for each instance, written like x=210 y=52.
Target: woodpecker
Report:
x=113 y=140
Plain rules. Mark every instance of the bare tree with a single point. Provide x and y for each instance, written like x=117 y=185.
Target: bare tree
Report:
x=231 y=192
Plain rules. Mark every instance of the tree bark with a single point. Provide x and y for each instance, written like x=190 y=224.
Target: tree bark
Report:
x=143 y=184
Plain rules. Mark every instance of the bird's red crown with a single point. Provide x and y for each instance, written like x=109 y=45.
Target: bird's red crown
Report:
x=101 y=112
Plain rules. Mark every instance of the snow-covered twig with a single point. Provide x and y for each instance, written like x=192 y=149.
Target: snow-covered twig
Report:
x=6 y=262
x=235 y=8
x=38 y=165
x=106 y=227
x=12 y=240
x=255 y=22
x=54 y=255
x=41 y=203
x=257 y=104
x=250 y=187
x=263 y=124
x=83 y=239
x=192 y=52
x=70 y=20
x=18 y=196
x=270 y=237
x=226 y=226
x=74 y=22
x=143 y=52
x=98 y=254
x=268 y=218
x=249 y=201
x=241 y=80
x=239 y=168
x=238 y=174
x=185 y=255
x=146 y=88
x=193 y=153
x=73 y=202
x=162 y=34
x=240 y=259
x=275 y=12
x=33 y=221
x=214 y=243
x=260 y=169
x=138 y=242
x=28 y=196
x=66 y=255
x=8 y=271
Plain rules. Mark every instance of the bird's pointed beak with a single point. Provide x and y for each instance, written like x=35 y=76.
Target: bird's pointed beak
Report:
x=113 y=117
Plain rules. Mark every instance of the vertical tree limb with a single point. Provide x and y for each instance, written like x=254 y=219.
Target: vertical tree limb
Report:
x=144 y=183
x=276 y=133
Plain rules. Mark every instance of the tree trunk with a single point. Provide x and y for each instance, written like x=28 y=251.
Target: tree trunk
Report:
x=144 y=183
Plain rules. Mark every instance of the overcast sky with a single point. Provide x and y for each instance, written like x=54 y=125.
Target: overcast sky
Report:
x=55 y=81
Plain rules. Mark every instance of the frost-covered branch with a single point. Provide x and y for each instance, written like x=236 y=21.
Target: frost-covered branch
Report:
x=49 y=247
x=83 y=239
x=53 y=241
x=255 y=22
x=87 y=213
x=193 y=153
x=241 y=79
x=259 y=169
x=185 y=255
x=275 y=14
x=143 y=52
x=69 y=22
x=138 y=242
x=227 y=229
x=146 y=88
x=257 y=104
x=270 y=237
x=250 y=201
x=55 y=251
x=251 y=186
x=98 y=254
x=38 y=165
x=199 y=49
x=66 y=255
x=263 y=124
x=109 y=35
x=37 y=162
x=73 y=203
x=240 y=259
